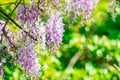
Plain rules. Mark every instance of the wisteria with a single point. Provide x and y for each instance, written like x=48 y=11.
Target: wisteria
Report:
x=28 y=60
x=54 y=30
x=35 y=30
x=85 y=5
x=28 y=16
x=81 y=7
x=27 y=13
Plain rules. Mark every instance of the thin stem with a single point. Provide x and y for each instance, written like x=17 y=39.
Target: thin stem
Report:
x=5 y=34
x=17 y=24
x=3 y=30
x=116 y=67
x=10 y=19
x=73 y=61
x=11 y=14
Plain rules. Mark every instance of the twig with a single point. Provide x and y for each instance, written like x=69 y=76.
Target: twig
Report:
x=3 y=30
x=73 y=60
x=5 y=34
x=10 y=19
x=11 y=13
x=116 y=67
x=111 y=62
x=16 y=24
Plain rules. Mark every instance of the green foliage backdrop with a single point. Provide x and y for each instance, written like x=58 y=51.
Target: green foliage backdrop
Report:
x=90 y=49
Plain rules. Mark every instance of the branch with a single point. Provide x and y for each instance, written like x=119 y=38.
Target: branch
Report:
x=3 y=30
x=106 y=60
x=5 y=34
x=11 y=14
x=111 y=62
x=73 y=61
x=116 y=67
x=100 y=60
x=10 y=19
x=16 y=24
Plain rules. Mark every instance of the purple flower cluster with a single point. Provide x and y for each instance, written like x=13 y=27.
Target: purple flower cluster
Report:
x=28 y=60
x=28 y=16
x=27 y=13
x=81 y=7
x=86 y=5
x=34 y=31
x=51 y=35
x=54 y=30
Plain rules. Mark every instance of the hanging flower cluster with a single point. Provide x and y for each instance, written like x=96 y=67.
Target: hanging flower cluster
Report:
x=28 y=17
x=85 y=5
x=54 y=30
x=49 y=35
x=81 y=7
x=28 y=59
x=33 y=30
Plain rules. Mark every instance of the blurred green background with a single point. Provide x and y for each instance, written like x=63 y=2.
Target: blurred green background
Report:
x=90 y=49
